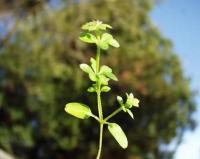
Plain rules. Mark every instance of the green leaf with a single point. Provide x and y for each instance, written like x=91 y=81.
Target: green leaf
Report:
x=114 y=43
x=95 y=26
x=93 y=64
x=86 y=68
x=107 y=71
x=103 y=45
x=92 y=76
x=111 y=76
x=78 y=110
x=88 y=38
x=103 y=80
x=105 y=26
x=105 y=89
x=118 y=134
x=91 y=89
x=130 y=113
x=106 y=37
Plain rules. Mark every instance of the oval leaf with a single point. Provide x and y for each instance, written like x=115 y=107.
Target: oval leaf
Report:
x=105 y=89
x=86 y=68
x=78 y=110
x=118 y=134
x=88 y=38
x=114 y=43
x=103 y=45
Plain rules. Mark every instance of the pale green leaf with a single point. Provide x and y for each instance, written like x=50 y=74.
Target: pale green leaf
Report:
x=92 y=76
x=103 y=45
x=103 y=80
x=114 y=43
x=88 y=38
x=95 y=26
x=93 y=64
x=105 y=89
x=130 y=113
x=106 y=37
x=111 y=76
x=107 y=71
x=118 y=134
x=78 y=110
x=91 y=89
x=86 y=68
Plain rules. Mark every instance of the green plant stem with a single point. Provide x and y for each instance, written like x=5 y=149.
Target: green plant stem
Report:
x=113 y=114
x=99 y=105
x=100 y=141
x=97 y=59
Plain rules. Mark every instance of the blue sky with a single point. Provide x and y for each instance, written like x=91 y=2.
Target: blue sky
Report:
x=179 y=20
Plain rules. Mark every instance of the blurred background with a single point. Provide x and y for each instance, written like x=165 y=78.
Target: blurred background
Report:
x=158 y=61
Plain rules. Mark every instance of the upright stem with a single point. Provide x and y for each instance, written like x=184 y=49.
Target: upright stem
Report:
x=97 y=59
x=99 y=104
x=100 y=141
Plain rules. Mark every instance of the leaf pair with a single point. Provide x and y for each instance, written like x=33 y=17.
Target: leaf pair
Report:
x=104 y=42
x=130 y=102
x=95 y=26
x=104 y=75
x=83 y=111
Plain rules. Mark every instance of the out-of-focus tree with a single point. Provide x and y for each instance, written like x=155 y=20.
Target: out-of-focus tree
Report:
x=21 y=7
x=39 y=75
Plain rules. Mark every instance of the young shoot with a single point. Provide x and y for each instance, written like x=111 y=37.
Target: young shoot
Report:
x=96 y=32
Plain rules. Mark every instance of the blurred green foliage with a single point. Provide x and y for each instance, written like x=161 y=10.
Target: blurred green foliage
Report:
x=39 y=74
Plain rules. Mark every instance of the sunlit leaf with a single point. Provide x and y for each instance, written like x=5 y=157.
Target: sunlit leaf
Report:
x=103 y=45
x=103 y=80
x=86 y=68
x=105 y=89
x=88 y=38
x=106 y=37
x=91 y=89
x=107 y=71
x=130 y=113
x=114 y=43
x=95 y=26
x=93 y=64
x=78 y=110
x=118 y=134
